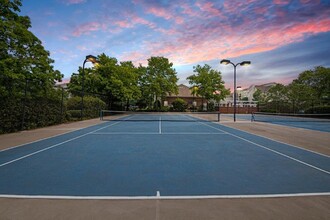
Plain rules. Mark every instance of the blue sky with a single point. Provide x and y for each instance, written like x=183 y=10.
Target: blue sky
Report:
x=281 y=38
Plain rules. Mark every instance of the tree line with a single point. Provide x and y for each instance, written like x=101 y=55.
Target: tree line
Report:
x=29 y=95
x=123 y=84
x=308 y=93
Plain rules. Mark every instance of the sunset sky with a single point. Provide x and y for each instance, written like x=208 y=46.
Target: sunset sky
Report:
x=281 y=38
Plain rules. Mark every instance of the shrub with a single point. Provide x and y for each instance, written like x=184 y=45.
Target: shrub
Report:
x=92 y=107
x=179 y=105
x=318 y=110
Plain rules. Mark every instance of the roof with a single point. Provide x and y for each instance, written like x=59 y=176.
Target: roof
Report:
x=184 y=91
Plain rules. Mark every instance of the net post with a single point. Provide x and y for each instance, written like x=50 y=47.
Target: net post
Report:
x=252 y=117
x=101 y=115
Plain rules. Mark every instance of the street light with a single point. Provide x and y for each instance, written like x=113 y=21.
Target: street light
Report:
x=244 y=63
x=93 y=60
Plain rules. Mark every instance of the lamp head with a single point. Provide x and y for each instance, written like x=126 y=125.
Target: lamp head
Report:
x=92 y=59
x=245 y=63
x=225 y=62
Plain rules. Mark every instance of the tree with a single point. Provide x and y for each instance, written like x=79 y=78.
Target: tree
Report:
x=158 y=79
x=27 y=75
x=318 y=80
x=208 y=83
x=300 y=96
x=117 y=81
x=22 y=55
x=277 y=97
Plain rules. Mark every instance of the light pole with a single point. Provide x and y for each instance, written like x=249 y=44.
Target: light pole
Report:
x=244 y=63
x=92 y=59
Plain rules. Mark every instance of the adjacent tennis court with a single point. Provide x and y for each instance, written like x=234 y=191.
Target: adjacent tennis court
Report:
x=161 y=156
x=317 y=122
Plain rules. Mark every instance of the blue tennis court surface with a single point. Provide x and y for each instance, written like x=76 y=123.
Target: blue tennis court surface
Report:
x=311 y=125
x=172 y=158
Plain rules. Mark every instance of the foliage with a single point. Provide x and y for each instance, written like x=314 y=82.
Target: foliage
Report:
x=37 y=111
x=27 y=93
x=258 y=95
x=318 y=80
x=208 y=83
x=179 y=105
x=92 y=107
x=311 y=88
x=211 y=107
x=115 y=81
x=318 y=110
x=157 y=80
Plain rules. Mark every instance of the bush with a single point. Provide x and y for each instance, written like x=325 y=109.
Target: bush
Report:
x=92 y=107
x=38 y=112
x=318 y=110
x=179 y=105
x=211 y=107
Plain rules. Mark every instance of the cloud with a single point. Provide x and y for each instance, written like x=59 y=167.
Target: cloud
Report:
x=86 y=28
x=131 y=20
x=281 y=2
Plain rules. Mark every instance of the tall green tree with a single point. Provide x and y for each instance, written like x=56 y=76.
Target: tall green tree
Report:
x=208 y=82
x=318 y=79
x=300 y=96
x=277 y=97
x=22 y=56
x=158 y=79
x=116 y=81
x=27 y=77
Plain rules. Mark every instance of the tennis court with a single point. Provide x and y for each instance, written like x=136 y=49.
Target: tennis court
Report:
x=161 y=156
x=317 y=122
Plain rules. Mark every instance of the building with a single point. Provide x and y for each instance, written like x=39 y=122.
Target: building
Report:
x=244 y=101
x=185 y=93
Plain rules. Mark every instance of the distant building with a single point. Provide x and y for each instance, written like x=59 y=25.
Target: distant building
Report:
x=244 y=99
x=248 y=93
x=185 y=94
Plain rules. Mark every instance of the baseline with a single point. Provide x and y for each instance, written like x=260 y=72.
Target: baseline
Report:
x=159 y=197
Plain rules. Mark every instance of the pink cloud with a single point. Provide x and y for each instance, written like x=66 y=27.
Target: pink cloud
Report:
x=261 y=10
x=190 y=48
x=86 y=28
x=132 y=20
x=281 y=2
x=166 y=14
x=188 y=10
x=209 y=8
x=310 y=2
x=232 y=6
x=134 y=56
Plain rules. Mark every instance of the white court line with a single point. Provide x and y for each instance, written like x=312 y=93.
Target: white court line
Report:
x=155 y=133
x=55 y=145
x=274 y=151
x=256 y=196
x=282 y=141
x=10 y=148
x=123 y=133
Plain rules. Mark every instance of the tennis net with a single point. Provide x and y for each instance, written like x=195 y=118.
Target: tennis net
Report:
x=108 y=115
x=282 y=117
